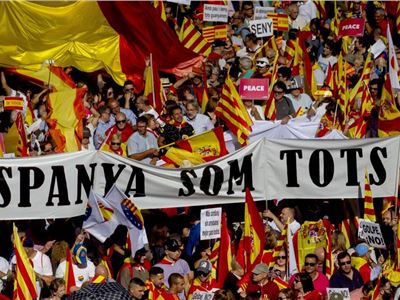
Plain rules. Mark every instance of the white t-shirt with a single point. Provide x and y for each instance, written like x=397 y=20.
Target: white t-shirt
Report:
x=81 y=275
x=200 y=123
x=41 y=264
x=324 y=62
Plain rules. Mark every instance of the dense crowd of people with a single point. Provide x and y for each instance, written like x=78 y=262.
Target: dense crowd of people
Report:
x=176 y=264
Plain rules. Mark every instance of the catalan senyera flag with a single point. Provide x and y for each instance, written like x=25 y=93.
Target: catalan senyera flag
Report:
x=66 y=119
x=321 y=9
x=217 y=32
x=280 y=21
x=191 y=38
x=223 y=264
x=389 y=115
x=334 y=26
x=15 y=140
x=232 y=111
x=25 y=277
x=269 y=44
x=376 y=292
x=69 y=277
x=114 y=36
x=369 y=211
x=254 y=236
x=11 y=103
x=281 y=245
x=270 y=109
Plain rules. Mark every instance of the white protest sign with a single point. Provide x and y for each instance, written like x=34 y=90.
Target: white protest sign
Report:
x=360 y=231
x=210 y=223
x=261 y=12
x=372 y=234
x=261 y=28
x=377 y=48
x=202 y=295
x=338 y=293
x=215 y=13
x=184 y=2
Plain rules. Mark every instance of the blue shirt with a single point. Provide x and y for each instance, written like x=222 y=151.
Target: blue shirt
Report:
x=100 y=133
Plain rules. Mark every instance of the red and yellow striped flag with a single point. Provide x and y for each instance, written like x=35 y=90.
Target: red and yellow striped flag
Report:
x=329 y=261
x=280 y=21
x=281 y=243
x=376 y=292
x=398 y=18
x=282 y=284
x=11 y=103
x=159 y=5
x=269 y=44
x=231 y=110
x=191 y=38
x=254 y=236
x=25 y=277
x=217 y=32
x=344 y=227
x=321 y=10
x=99 y=279
x=270 y=109
x=369 y=211
x=69 y=276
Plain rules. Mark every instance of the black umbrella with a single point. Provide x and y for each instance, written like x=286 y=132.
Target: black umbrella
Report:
x=102 y=291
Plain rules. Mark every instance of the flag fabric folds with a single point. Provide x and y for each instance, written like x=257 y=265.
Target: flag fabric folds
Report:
x=217 y=32
x=66 y=119
x=254 y=237
x=152 y=87
x=389 y=115
x=69 y=277
x=369 y=211
x=192 y=39
x=231 y=110
x=393 y=64
x=224 y=261
x=114 y=36
x=124 y=212
x=93 y=214
x=25 y=277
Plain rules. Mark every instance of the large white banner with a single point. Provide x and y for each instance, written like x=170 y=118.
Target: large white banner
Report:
x=324 y=169
x=58 y=186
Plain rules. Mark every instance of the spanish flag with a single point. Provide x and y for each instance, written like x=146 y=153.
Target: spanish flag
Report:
x=25 y=277
x=15 y=139
x=66 y=119
x=11 y=103
x=224 y=261
x=389 y=115
x=153 y=87
x=69 y=277
x=254 y=236
x=369 y=211
x=90 y=36
x=231 y=110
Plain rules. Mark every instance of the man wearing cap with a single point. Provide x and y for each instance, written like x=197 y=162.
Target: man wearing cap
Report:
x=262 y=69
x=346 y=276
x=83 y=268
x=172 y=263
x=363 y=263
x=203 y=281
x=261 y=283
x=299 y=100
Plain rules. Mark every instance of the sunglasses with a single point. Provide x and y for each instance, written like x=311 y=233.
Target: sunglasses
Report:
x=278 y=92
x=309 y=264
x=343 y=263
x=120 y=121
x=115 y=144
x=281 y=257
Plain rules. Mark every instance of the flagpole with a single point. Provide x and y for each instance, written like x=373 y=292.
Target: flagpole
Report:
x=152 y=80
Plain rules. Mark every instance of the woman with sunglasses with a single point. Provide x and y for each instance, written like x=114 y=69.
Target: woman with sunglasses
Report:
x=280 y=267
x=303 y=288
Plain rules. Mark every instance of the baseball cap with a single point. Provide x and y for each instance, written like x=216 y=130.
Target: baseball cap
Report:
x=4 y=267
x=262 y=62
x=260 y=268
x=204 y=267
x=362 y=249
x=80 y=254
x=172 y=245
